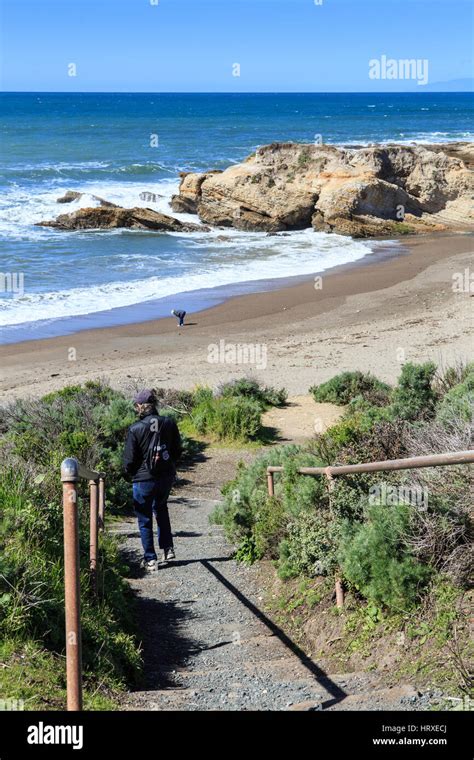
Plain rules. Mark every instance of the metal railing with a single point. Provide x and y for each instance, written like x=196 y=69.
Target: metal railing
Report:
x=71 y=472
x=410 y=463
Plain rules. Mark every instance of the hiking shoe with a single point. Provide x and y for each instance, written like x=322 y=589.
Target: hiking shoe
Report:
x=149 y=565
x=168 y=554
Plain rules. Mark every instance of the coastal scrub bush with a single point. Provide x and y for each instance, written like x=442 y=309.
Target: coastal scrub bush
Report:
x=348 y=386
x=363 y=433
x=442 y=535
x=458 y=402
x=414 y=397
x=257 y=523
x=227 y=419
x=233 y=412
x=390 y=550
x=447 y=377
x=374 y=557
x=308 y=547
x=32 y=584
x=176 y=401
x=250 y=388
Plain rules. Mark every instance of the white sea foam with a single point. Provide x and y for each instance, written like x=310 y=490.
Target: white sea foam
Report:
x=246 y=257
x=422 y=138
x=21 y=208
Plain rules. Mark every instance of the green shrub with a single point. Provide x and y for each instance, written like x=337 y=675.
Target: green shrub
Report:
x=250 y=388
x=201 y=394
x=388 y=553
x=180 y=402
x=32 y=582
x=308 y=548
x=257 y=523
x=414 y=397
x=448 y=377
x=304 y=158
x=347 y=386
x=458 y=403
x=267 y=531
x=114 y=419
x=228 y=419
x=362 y=434
x=374 y=558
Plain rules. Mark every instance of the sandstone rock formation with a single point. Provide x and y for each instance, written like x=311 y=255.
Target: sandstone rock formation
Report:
x=112 y=218
x=189 y=191
x=360 y=191
x=69 y=196
x=363 y=192
x=72 y=195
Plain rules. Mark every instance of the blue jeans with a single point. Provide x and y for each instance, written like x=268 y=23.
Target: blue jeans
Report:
x=152 y=496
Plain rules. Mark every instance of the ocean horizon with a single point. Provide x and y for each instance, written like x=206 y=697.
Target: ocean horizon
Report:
x=100 y=144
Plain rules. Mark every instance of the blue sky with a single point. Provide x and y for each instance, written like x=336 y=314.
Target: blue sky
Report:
x=191 y=45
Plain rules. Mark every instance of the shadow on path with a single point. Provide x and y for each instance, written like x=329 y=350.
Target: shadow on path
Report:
x=165 y=649
x=337 y=693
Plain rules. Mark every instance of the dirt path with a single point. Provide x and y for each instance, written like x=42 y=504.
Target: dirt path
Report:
x=207 y=642
x=301 y=418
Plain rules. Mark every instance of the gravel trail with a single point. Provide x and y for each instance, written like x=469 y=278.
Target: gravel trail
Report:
x=207 y=642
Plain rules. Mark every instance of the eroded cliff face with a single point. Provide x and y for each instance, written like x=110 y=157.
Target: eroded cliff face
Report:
x=364 y=192
x=358 y=191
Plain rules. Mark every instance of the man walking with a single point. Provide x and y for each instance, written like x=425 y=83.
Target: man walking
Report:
x=152 y=448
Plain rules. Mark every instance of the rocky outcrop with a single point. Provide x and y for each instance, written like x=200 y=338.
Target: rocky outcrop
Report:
x=112 y=218
x=73 y=195
x=69 y=196
x=186 y=202
x=462 y=150
x=368 y=191
x=359 y=191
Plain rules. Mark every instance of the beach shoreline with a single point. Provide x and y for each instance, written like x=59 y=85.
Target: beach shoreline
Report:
x=373 y=315
x=194 y=301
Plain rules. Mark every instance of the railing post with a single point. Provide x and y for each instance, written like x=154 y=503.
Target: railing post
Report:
x=94 y=531
x=69 y=477
x=270 y=484
x=102 y=502
x=339 y=593
x=337 y=581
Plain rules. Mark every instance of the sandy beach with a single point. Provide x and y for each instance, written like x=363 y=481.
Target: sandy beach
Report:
x=370 y=316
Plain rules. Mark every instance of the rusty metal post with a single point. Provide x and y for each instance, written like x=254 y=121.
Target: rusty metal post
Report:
x=270 y=484
x=102 y=502
x=339 y=593
x=94 y=531
x=337 y=581
x=72 y=594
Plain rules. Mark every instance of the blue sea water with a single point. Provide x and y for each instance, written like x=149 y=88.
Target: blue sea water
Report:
x=100 y=144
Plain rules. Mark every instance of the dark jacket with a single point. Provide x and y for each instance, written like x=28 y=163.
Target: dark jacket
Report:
x=139 y=437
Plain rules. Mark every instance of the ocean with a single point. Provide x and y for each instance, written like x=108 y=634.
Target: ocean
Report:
x=101 y=144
